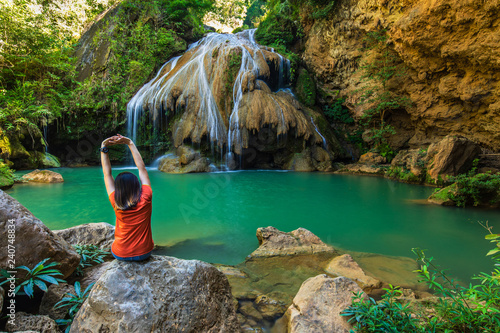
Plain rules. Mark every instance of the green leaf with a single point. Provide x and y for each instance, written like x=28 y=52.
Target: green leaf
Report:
x=41 y=285
x=493 y=252
x=492 y=236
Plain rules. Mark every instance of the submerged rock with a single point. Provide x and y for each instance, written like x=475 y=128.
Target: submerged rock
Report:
x=344 y=265
x=101 y=234
x=273 y=242
x=451 y=156
x=34 y=241
x=160 y=294
x=318 y=304
x=43 y=176
x=32 y=323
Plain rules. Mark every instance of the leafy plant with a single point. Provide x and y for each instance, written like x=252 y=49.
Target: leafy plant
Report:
x=73 y=302
x=90 y=255
x=39 y=276
x=338 y=113
x=475 y=189
x=388 y=315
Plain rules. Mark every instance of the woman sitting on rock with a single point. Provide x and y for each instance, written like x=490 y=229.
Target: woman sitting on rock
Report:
x=132 y=204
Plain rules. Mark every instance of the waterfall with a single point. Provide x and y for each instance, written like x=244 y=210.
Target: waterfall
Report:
x=325 y=145
x=219 y=91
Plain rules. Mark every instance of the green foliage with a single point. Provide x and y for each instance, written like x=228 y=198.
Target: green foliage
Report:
x=338 y=113
x=36 y=69
x=306 y=88
x=73 y=302
x=388 y=315
x=6 y=172
x=280 y=29
x=476 y=189
x=320 y=9
x=39 y=276
x=90 y=255
x=254 y=13
x=403 y=174
x=459 y=309
x=383 y=66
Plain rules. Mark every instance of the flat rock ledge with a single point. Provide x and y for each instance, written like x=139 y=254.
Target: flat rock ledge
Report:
x=160 y=294
x=43 y=176
x=101 y=234
x=273 y=242
x=318 y=305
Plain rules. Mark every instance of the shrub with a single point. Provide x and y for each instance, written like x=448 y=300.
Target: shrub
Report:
x=39 y=276
x=73 y=302
x=482 y=188
x=90 y=255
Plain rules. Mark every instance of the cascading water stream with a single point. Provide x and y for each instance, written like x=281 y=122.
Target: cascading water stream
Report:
x=209 y=86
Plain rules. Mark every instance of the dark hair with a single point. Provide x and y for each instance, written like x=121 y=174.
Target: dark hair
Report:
x=127 y=190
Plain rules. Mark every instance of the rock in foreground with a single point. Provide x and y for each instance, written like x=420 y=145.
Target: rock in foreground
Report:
x=318 y=304
x=26 y=322
x=186 y=160
x=161 y=294
x=100 y=234
x=273 y=242
x=43 y=176
x=34 y=241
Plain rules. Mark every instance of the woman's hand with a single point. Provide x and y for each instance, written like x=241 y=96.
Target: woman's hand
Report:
x=120 y=139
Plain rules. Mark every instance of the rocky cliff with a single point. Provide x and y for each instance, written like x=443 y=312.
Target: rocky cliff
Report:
x=449 y=52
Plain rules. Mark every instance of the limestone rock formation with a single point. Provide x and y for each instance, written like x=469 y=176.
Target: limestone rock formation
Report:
x=32 y=323
x=101 y=234
x=273 y=242
x=451 y=156
x=31 y=233
x=186 y=160
x=269 y=307
x=450 y=51
x=161 y=294
x=318 y=304
x=412 y=160
x=43 y=176
x=345 y=266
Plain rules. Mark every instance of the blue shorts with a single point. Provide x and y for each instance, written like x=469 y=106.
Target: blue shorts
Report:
x=136 y=258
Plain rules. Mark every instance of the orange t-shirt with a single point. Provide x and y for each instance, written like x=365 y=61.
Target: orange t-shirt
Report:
x=133 y=235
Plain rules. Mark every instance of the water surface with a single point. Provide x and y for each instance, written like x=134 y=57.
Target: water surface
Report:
x=213 y=217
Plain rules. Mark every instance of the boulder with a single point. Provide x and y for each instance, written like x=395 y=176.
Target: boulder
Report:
x=318 y=304
x=188 y=162
x=301 y=162
x=54 y=294
x=273 y=242
x=43 y=176
x=101 y=234
x=443 y=196
x=451 y=156
x=28 y=322
x=362 y=169
x=344 y=265
x=160 y=294
x=92 y=274
x=372 y=158
x=34 y=241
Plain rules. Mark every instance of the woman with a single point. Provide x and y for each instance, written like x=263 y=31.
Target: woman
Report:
x=132 y=204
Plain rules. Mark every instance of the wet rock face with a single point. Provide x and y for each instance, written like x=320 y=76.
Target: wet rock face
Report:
x=273 y=242
x=451 y=53
x=100 y=234
x=43 y=176
x=31 y=233
x=318 y=304
x=161 y=294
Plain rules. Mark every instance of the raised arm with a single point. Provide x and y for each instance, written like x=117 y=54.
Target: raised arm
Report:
x=139 y=163
x=109 y=181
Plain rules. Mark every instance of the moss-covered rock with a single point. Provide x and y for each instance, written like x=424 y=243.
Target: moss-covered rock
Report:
x=305 y=88
x=443 y=196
